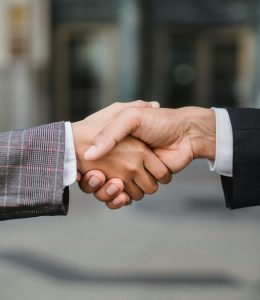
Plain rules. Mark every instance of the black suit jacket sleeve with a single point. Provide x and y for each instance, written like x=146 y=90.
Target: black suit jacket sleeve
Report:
x=243 y=189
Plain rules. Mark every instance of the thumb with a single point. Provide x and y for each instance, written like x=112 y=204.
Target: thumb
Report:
x=123 y=125
x=175 y=160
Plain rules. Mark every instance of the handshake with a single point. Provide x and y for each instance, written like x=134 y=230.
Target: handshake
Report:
x=126 y=149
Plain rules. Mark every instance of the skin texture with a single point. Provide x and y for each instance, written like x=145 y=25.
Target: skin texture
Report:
x=130 y=166
x=177 y=136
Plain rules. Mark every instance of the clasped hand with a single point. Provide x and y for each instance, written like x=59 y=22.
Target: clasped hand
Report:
x=124 y=150
x=127 y=172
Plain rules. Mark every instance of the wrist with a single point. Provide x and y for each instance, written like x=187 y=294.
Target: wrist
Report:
x=84 y=133
x=202 y=133
x=80 y=142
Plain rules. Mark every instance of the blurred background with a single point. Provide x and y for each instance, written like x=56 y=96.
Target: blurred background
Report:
x=64 y=59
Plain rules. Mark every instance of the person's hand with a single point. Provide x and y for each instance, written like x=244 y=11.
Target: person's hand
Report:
x=137 y=161
x=135 y=164
x=111 y=192
x=177 y=135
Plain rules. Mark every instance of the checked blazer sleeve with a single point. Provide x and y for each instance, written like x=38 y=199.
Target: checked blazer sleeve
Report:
x=31 y=172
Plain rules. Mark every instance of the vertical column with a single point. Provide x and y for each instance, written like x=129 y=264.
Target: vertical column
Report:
x=203 y=81
x=130 y=48
x=4 y=61
x=40 y=55
x=4 y=42
x=21 y=84
x=40 y=32
x=28 y=70
x=256 y=89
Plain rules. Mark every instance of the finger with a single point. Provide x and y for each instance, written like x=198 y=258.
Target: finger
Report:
x=128 y=203
x=155 y=104
x=110 y=190
x=141 y=103
x=176 y=160
x=125 y=123
x=91 y=181
x=121 y=200
x=157 y=168
x=118 y=107
x=134 y=191
x=146 y=182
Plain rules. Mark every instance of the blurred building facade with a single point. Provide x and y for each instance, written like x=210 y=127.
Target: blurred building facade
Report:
x=24 y=62
x=63 y=59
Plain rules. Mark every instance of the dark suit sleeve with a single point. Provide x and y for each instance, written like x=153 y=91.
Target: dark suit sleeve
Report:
x=243 y=189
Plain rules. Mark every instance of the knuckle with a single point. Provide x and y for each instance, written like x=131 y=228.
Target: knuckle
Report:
x=84 y=187
x=163 y=174
x=121 y=198
x=128 y=203
x=101 y=198
x=141 y=148
x=110 y=206
x=152 y=188
x=131 y=115
x=132 y=169
x=140 y=102
x=138 y=196
x=168 y=179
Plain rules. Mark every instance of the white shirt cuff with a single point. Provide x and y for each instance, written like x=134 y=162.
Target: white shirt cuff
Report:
x=223 y=163
x=70 y=163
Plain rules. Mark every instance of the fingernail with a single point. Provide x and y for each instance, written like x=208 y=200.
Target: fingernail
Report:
x=94 y=182
x=116 y=202
x=112 y=189
x=155 y=104
x=128 y=201
x=90 y=152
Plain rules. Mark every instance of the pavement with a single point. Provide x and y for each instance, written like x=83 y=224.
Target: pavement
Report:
x=181 y=243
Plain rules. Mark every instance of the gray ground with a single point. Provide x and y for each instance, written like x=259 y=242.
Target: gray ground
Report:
x=179 y=244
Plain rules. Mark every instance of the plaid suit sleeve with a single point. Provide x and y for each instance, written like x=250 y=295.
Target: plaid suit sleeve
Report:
x=31 y=172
